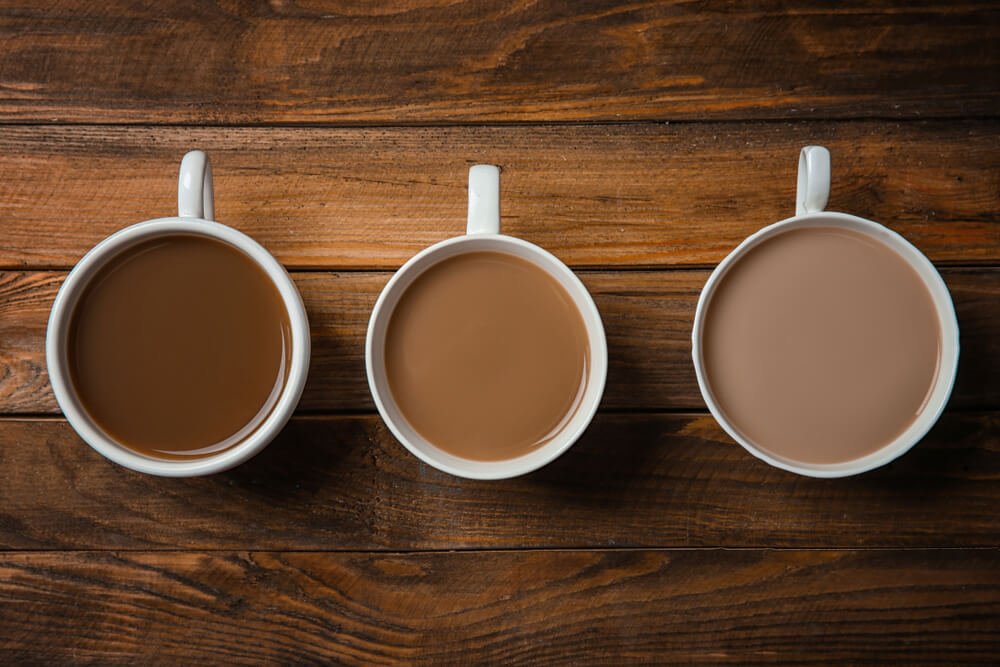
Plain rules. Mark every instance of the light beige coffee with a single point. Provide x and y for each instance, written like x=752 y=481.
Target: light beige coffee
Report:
x=821 y=345
x=486 y=356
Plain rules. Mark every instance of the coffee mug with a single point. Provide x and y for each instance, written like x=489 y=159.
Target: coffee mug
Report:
x=483 y=234
x=195 y=218
x=812 y=195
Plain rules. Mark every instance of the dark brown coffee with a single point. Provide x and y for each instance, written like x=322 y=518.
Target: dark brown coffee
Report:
x=486 y=356
x=179 y=347
x=821 y=345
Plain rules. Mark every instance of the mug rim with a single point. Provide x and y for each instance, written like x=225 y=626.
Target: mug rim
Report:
x=79 y=278
x=596 y=379
x=944 y=309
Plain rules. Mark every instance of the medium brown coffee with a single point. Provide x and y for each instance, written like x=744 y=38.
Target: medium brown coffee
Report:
x=486 y=356
x=821 y=345
x=179 y=347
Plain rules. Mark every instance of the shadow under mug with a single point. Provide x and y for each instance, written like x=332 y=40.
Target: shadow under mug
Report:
x=483 y=234
x=195 y=204
x=811 y=197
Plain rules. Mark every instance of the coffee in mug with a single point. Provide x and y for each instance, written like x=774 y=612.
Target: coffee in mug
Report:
x=821 y=344
x=179 y=347
x=486 y=356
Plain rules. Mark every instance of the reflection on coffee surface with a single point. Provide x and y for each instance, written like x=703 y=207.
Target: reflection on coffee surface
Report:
x=486 y=356
x=821 y=345
x=179 y=347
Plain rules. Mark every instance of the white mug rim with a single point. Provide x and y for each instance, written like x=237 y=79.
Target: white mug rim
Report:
x=542 y=455
x=58 y=330
x=943 y=383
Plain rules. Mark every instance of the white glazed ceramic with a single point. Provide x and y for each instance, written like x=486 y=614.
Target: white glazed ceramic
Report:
x=813 y=193
x=483 y=234
x=195 y=212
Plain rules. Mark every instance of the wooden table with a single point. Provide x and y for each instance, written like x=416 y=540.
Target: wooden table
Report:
x=640 y=143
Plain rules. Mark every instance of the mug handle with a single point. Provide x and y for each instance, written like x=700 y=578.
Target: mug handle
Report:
x=484 y=200
x=813 y=191
x=195 y=195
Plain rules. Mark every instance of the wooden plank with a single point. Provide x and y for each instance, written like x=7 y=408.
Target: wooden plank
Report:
x=647 y=317
x=344 y=483
x=597 y=196
x=603 y=607
x=430 y=62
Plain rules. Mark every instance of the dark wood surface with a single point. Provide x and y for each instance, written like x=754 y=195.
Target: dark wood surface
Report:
x=633 y=480
x=598 y=196
x=428 y=61
x=505 y=607
x=640 y=142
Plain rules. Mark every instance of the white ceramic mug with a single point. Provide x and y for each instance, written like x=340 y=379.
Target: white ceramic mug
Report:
x=195 y=204
x=812 y=195
x=483 y=234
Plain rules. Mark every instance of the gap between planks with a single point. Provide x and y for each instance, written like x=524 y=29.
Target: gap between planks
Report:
x=489 y=550
x=362 y=125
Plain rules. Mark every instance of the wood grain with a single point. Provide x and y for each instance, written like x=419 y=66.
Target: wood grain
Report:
x=344 y=483
x=548 y=607
x=428 y=61
x=647 y=317
x=341 y=134
x=636 y=196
